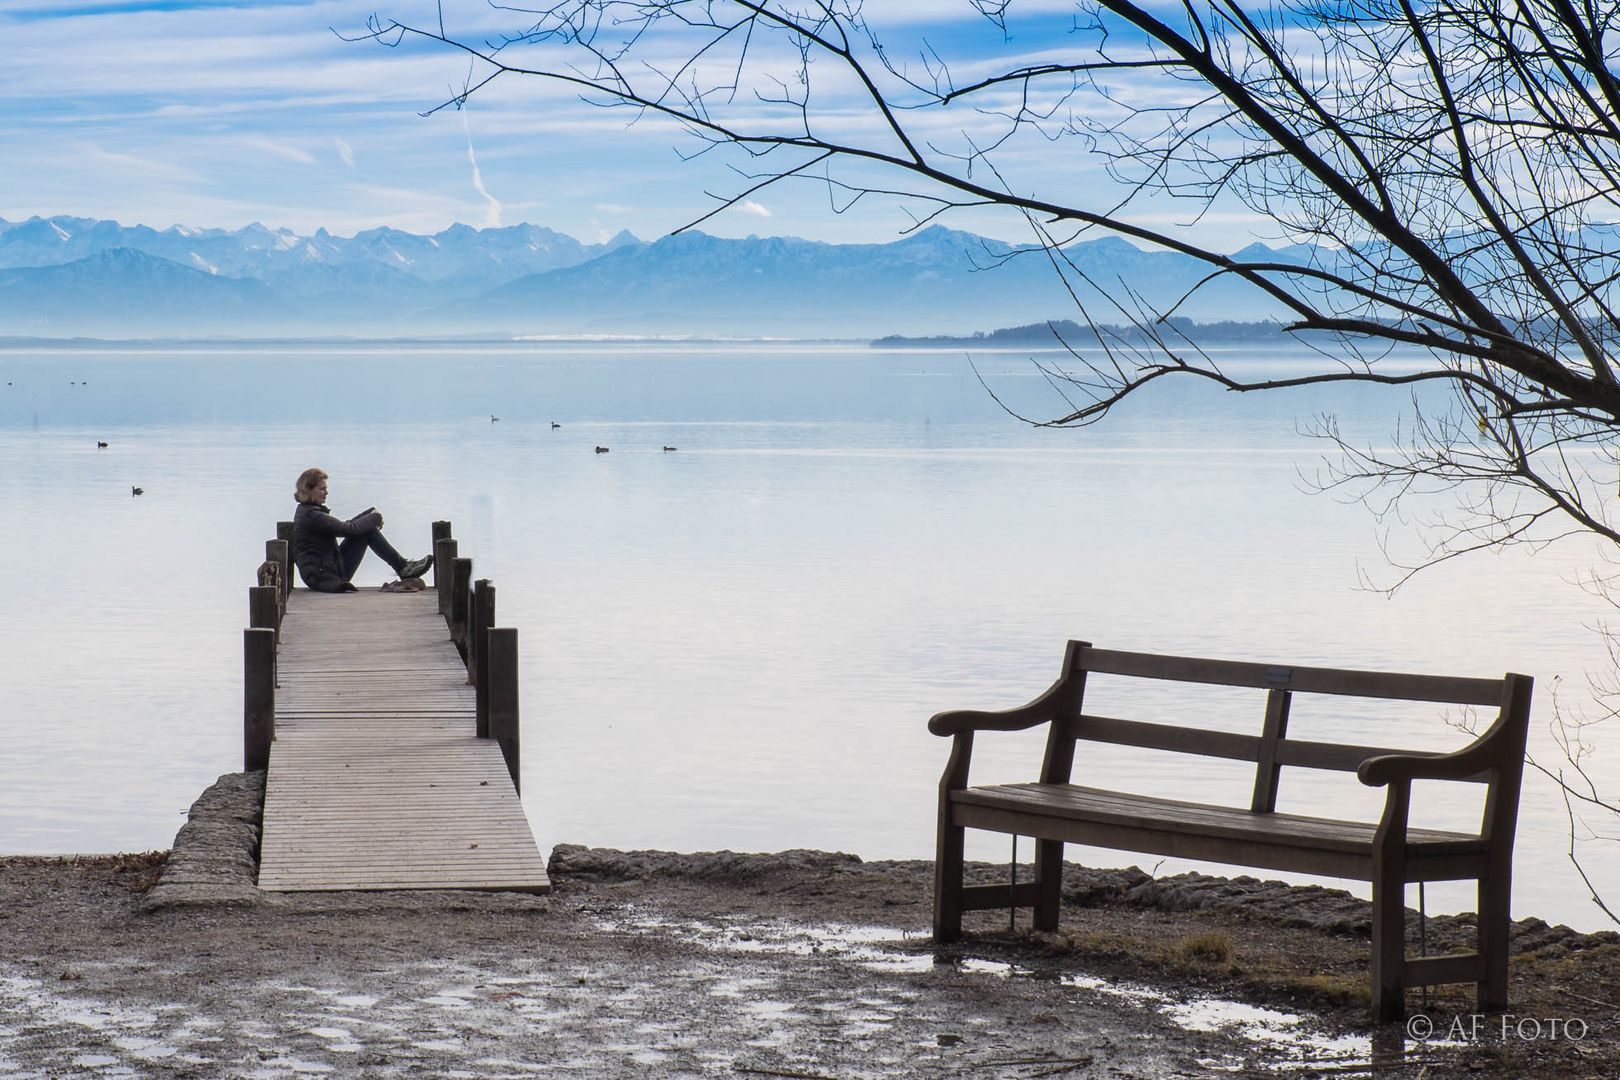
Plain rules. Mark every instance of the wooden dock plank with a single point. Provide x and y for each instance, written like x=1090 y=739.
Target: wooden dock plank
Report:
x=376 y=780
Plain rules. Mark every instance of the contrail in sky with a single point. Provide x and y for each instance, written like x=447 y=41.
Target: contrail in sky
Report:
x=492 y=219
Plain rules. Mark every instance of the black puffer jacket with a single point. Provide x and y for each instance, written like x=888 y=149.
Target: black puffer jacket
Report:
x=315 y=547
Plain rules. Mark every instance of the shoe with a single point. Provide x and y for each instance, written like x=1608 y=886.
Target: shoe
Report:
x=416 y=567
x=348 y=586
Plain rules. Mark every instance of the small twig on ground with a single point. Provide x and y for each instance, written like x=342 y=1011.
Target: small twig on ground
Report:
x=752 y=1070
x=1065 y=1064
x=1078 y=1063
x=1590 y=1000
x=1351 y=1067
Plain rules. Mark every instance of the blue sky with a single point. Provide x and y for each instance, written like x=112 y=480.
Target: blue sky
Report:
x=223 y=113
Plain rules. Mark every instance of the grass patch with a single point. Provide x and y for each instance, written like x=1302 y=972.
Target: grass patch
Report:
x=1210 y=947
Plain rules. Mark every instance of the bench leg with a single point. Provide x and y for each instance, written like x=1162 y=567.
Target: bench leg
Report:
x=948 y=879
x=1388 y=950
x=1494 y=922
x=1048 y=883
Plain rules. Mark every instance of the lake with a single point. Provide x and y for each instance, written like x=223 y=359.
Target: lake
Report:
x=736 y=644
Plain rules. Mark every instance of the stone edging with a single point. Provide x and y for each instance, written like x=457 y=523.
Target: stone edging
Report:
x=215 y=859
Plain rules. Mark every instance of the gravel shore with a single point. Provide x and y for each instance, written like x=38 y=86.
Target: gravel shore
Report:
x=796 y=964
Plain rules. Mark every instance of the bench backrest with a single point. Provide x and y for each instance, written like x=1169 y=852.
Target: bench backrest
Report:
x=1272 y=749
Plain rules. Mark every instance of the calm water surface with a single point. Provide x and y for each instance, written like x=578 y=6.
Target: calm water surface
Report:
x=736 y=645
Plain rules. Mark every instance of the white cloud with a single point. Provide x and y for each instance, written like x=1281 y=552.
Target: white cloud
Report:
x=125 y=164
x=280 y=150
x=749 y=206
x=345 y=151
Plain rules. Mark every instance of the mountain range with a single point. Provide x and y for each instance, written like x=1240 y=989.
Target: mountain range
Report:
x=79 y=277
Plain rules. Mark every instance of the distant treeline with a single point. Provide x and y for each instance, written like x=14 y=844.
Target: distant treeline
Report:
x=1048 y=334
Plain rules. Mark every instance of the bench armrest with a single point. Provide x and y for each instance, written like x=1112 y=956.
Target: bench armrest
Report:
x=1040 y=711
x=1492 y=749
x=1500 y=748
x=1388 y=768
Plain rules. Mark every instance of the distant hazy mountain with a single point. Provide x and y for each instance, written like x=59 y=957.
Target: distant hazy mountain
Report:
x=937 y=280
x=67 y=277
x=470 y=260
x=125 y=293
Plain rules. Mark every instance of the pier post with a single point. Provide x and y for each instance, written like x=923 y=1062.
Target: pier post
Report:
x=284 y=531
x=258 y=696
x=483 y=617
x=460 y=583
x=280 y=553
x=444 y=553
x=503 y=697
x=441 y=531
x=264 y=608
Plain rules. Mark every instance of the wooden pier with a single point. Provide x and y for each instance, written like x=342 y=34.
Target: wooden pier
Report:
x=388 y=725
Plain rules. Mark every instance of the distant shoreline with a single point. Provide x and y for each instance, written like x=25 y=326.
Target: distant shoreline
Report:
x=1059 y=333
x=1054 y=334
x=403 y=342
x=400 y=342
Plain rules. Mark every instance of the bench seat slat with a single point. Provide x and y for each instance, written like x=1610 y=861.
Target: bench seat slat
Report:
x=1076 y=803
x=1311 y=680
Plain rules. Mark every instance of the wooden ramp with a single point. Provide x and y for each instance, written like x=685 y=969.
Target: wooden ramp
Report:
x=377 y=779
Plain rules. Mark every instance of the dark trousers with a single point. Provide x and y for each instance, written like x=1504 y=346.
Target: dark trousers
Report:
x=352 y=549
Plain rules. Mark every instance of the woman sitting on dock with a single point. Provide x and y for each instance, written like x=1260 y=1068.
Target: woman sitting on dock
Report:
x=323 y=563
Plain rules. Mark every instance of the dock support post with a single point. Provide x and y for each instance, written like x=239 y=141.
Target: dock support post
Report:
x=284 y=531
x=477 y=622
x=264 y=608
x=441 y=531
x=460 y=583
x=278 y=552
x=444 y=553
x=258 y=696
x=503 y=697
x=482 y=620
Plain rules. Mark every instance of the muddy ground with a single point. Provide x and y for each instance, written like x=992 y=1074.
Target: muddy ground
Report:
x=799 y=964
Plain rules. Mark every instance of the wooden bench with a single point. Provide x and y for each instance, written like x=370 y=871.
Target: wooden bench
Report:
x=1387 y=853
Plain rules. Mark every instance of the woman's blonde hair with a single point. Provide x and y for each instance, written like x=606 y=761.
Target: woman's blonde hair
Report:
x=307 y=482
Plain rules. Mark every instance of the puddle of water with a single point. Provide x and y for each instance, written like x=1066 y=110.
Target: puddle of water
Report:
x=734 y=987
x=765 y=1008
x=446 y=1001
x=1109 y=986
x=438 y=1044
x=355 y=1001
x=1268 y=1027
x=339 y=1040
x=1000 y=969
x=846 y=941
x=872 y=947
x=283 y=1065
x=1216 y=1065
x=145 y=1049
